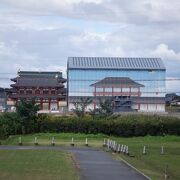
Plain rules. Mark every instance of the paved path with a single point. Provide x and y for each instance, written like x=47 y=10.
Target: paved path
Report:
x=94 y=164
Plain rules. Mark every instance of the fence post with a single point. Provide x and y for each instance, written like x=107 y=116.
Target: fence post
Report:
x=72 y=141
x=162 y=150
x=144 y=150
x=104 y=143
x=86 y=142
x=35 y=141
x=53 y=141
x=20 y=141
x=166 y=176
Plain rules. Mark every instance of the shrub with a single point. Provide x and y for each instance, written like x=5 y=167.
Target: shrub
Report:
x=125 y=126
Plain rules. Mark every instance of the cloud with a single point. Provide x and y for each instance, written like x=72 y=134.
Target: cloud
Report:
x=129 y=11
x=36 y=35
x=170 y=57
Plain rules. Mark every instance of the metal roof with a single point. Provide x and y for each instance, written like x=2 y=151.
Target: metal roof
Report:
x=115 y=63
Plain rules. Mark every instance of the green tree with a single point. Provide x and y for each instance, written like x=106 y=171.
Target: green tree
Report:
x=80 y=107
x=105 y=107
x=27 y=111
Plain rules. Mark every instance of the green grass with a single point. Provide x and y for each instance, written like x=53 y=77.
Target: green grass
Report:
x=36 y=165
x=153 y=164
x=63 y=139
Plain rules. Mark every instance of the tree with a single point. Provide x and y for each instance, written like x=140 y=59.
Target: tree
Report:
x=27 y=111
x=105 y=107
x=80 y=107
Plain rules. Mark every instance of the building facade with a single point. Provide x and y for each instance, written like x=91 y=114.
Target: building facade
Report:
x=47 y=88
x=2 y=100
x=134 y=84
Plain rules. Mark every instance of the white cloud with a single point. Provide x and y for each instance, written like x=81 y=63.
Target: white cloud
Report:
x=132 y=11
x=165 y=52
x=40 y=35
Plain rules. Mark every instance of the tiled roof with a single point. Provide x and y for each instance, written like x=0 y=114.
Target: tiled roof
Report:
x=117 y=81
x=39 y=73
x=39 y=79
x=37 y=82
x=115 y=63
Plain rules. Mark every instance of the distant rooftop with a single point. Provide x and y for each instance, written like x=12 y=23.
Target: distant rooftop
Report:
x=115 y=63
x=39 y=73
x=38 y=79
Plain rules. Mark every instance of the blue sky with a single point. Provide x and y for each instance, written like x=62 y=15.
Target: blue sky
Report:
x=40 y=35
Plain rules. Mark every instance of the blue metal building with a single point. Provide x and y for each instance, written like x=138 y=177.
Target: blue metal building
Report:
x=134 y=84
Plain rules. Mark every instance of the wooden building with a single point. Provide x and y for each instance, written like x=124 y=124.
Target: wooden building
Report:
x=47 y=88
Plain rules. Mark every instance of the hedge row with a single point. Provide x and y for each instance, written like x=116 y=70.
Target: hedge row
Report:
x=125 y=126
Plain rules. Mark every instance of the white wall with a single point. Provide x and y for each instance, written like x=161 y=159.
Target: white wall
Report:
x=152 y=108
x=161 y=107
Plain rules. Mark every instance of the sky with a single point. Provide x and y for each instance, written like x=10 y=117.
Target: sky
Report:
x=41 y=34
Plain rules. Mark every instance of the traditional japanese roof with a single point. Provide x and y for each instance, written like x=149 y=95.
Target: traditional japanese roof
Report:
x=40 y=73
x=117 y=82
x=115 y=63
x=38 y=79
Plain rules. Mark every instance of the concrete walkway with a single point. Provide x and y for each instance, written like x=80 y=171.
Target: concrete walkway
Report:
x=93 y=164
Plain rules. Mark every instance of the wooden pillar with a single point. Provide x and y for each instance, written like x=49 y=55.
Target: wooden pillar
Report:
x=25 y=91
x=138 y=106
x=57 y=104
x=49 y=90
x=41 y=90
x=138 y=91
x=41 y=104
x=112 y=91
x=33 y=91
x=49 y=106
x=94 y=90
x=94 y=104
x=95 y=97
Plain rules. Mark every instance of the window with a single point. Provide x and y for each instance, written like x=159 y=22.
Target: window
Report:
x=29 y=92
x=46 y=92
x=53 y=92
x=108 y=89
x=37 y=92
x=21 y=91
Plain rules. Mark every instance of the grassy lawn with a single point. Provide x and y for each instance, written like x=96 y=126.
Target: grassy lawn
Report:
x=63 y=139
x=153 y=164
x=36 y=165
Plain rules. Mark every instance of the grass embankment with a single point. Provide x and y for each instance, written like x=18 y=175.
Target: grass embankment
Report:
x=152 y=164
x=36 y=165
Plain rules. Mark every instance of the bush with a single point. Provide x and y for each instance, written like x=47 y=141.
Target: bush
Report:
x=125 y=126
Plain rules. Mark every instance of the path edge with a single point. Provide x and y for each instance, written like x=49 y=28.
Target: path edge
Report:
x=130 y=165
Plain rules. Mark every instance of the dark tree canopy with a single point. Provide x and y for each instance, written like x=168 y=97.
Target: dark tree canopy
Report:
x=27 y=111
